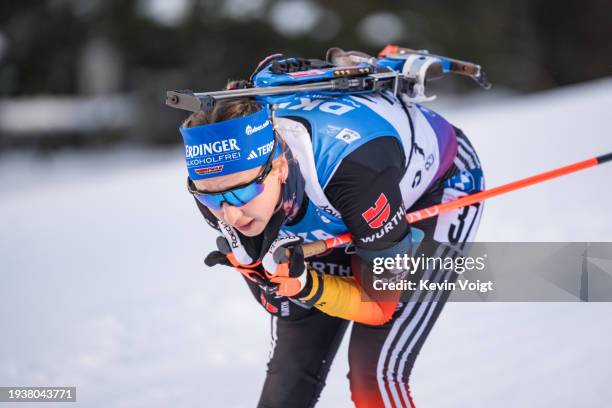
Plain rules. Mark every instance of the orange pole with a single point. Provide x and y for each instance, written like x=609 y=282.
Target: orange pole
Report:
x=316 y=247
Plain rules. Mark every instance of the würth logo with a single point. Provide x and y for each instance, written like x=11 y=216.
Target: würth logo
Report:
x=379 y=214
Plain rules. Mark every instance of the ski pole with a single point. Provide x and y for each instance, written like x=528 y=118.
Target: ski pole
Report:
x=318 y=247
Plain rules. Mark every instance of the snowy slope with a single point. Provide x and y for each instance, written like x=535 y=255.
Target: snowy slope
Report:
x=103 y=285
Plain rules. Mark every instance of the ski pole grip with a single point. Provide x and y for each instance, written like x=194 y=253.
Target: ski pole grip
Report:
x=314 y=248
x=311 y=249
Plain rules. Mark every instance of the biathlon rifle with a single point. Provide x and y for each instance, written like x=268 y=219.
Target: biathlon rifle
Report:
x=398 y=70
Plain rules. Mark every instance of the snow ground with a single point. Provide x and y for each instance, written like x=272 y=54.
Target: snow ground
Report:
x=103 y=285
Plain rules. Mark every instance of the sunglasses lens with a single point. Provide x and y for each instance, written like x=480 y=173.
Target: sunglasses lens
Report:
x=210 y=201
x=237 y=197
x=241 y=196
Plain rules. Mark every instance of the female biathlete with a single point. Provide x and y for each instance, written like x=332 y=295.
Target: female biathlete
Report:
x=313 y=167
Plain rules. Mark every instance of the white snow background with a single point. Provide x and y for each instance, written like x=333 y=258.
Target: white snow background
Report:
x=102 y=284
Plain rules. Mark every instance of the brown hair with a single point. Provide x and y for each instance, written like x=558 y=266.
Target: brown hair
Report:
x=227 y=109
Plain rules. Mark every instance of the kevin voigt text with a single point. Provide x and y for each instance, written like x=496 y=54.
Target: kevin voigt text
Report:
x=425 y=284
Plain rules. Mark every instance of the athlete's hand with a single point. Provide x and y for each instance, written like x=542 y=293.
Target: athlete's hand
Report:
x=231 y=252
x=290 y=274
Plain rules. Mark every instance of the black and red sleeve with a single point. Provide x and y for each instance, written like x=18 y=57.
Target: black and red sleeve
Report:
x=365 y=190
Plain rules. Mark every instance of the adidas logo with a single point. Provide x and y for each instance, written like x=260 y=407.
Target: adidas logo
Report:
x=252 y=155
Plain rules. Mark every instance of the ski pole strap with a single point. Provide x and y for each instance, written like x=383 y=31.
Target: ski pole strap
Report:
x=247 y=270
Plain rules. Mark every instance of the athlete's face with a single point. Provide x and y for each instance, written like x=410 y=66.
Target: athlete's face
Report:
x=251 y=218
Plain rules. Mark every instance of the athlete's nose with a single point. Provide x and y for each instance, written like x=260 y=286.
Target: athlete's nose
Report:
x=231 y=213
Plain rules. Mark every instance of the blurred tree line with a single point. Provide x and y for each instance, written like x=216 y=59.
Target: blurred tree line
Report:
x=145 y=47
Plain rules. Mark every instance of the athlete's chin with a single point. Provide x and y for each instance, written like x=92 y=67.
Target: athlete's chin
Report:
x=252 y=229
